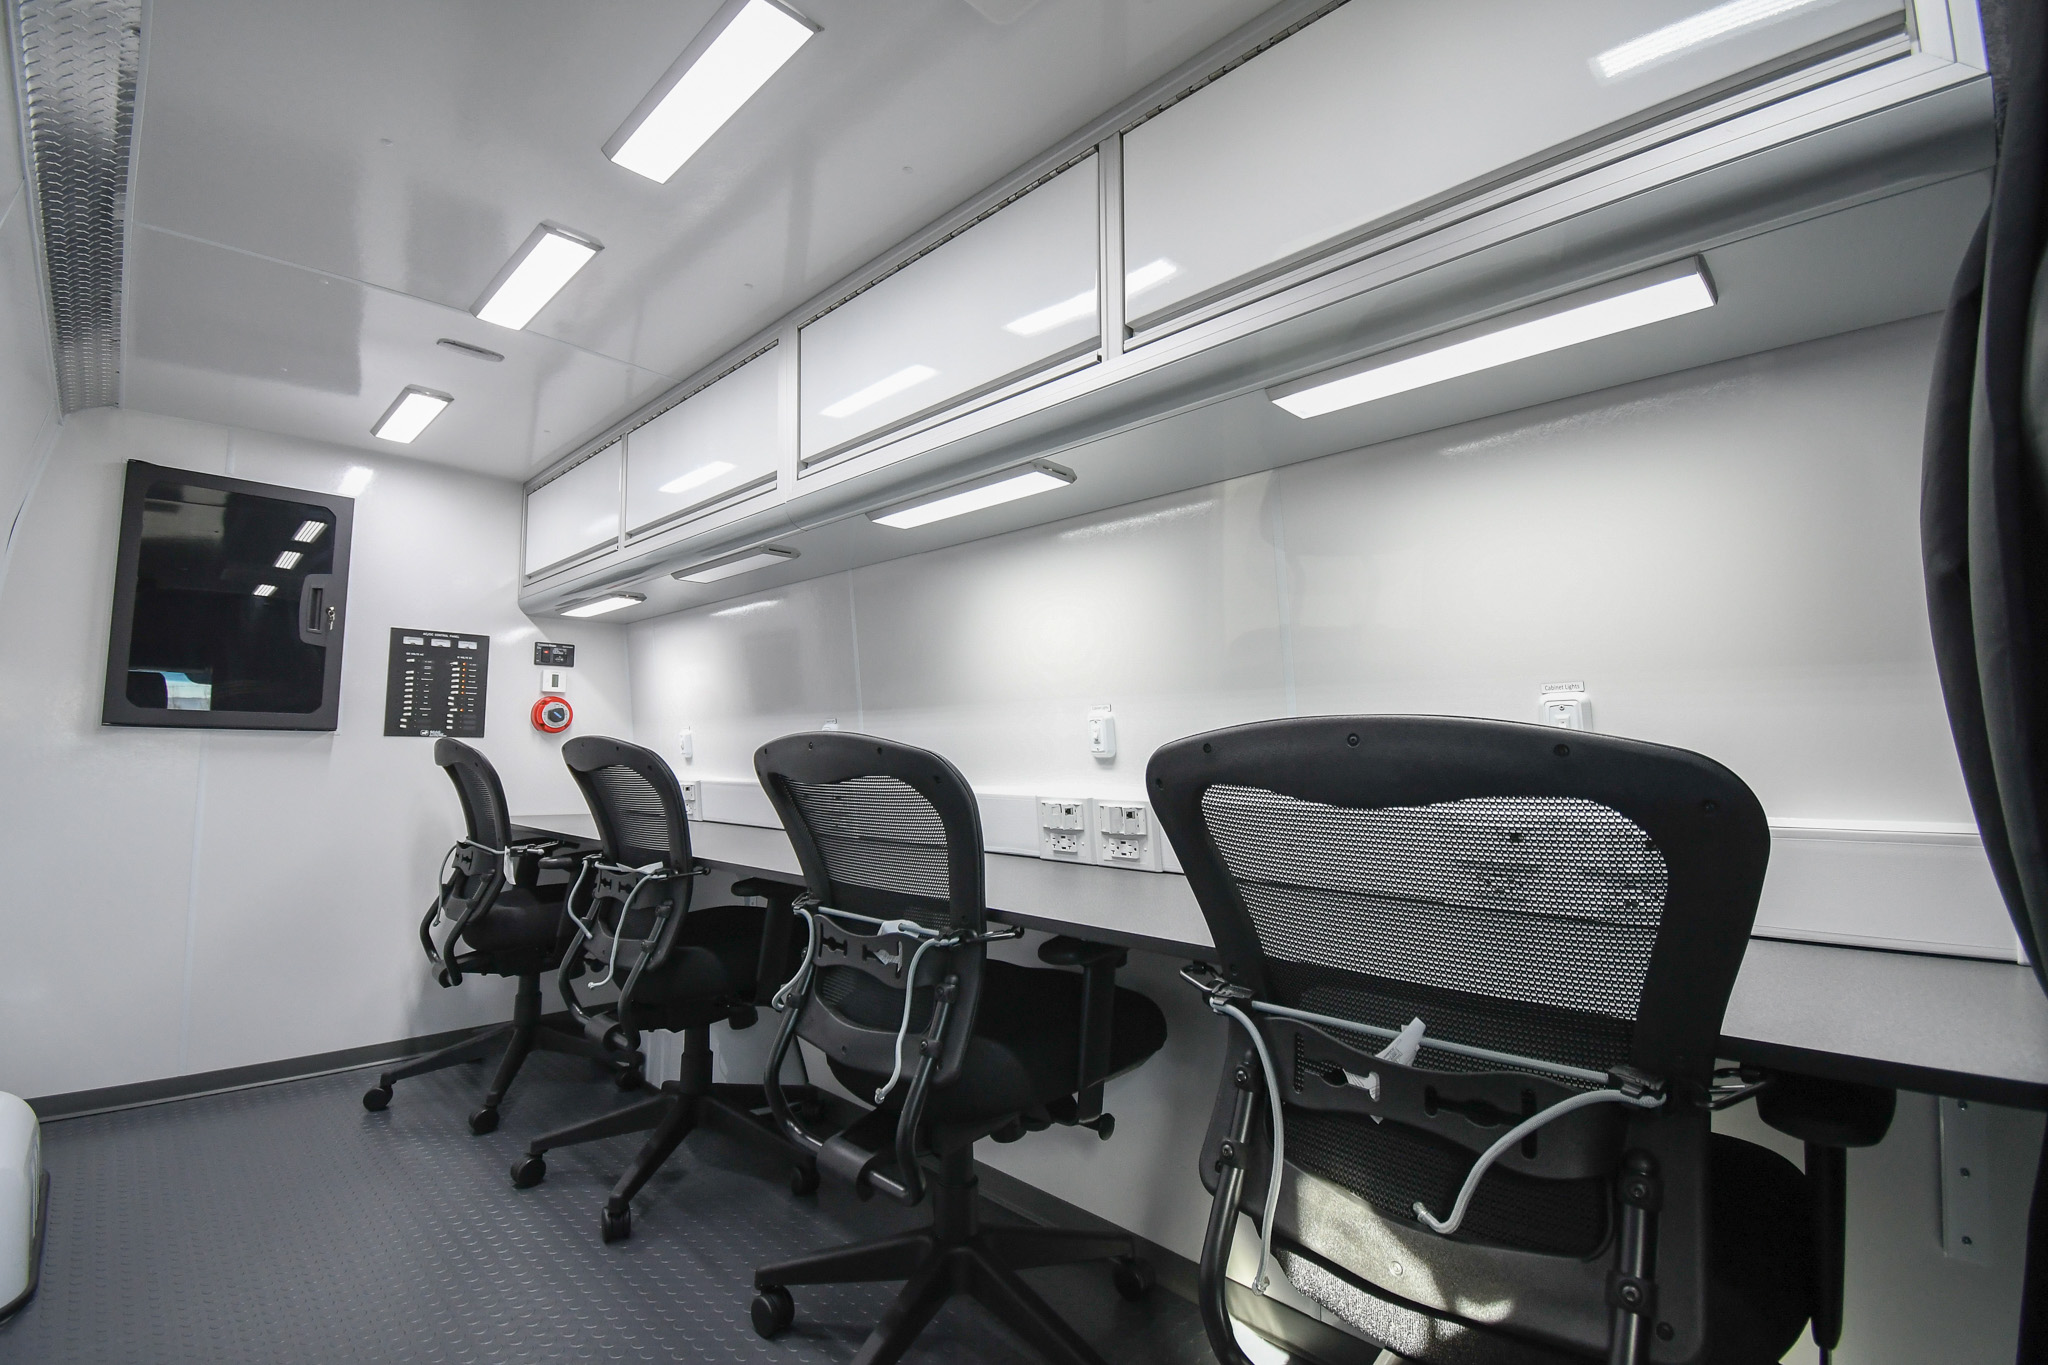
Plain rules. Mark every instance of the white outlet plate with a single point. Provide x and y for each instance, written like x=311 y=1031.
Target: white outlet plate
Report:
x=1063 y=829
x=1126 y=835
x=693 y=800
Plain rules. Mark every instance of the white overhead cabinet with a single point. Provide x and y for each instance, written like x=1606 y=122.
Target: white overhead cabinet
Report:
x=576 y=513
x=719 y=443
x=1384 y=108
x=1010 y=297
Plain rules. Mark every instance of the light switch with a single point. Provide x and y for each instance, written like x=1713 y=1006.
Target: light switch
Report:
x=1566 y=706
x=686 y=744
x=1101 y=732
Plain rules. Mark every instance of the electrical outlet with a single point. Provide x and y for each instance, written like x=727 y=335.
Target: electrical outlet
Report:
x=1063 y=829
x=1125 y=835
x=693 y=800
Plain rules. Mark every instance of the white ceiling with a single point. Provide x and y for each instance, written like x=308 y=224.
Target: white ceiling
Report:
x=322 y=190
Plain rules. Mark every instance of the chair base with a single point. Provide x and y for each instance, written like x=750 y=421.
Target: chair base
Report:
x=683 y=1106
x=956 y=1255
x=528 y=1033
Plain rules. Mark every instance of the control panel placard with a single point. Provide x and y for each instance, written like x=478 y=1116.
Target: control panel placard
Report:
x=435 y=684
x=547 y=655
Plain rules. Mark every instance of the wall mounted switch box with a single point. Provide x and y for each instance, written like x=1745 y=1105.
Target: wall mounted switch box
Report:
x=1063 y=829
x=1101 y=732
x=554 y=681
x=1567 y=706
x=546 y=655
x=1126 y=835
x=686 y=744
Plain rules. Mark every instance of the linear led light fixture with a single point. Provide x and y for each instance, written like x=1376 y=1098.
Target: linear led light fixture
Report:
x=409 y=414
x=732 y=566
x=611 y=601
x=548 y=259
x=909 y=377
x=1653 y=296
x=1040 y=476
x=698 y=477
x=309 y=531
x=1147 y=276
x=1693 y=31
x=733 y=56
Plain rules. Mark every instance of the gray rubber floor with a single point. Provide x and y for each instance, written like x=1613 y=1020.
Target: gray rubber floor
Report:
x=286 y=1224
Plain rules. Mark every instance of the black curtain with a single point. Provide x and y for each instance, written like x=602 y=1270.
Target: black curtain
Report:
x=1984 y=527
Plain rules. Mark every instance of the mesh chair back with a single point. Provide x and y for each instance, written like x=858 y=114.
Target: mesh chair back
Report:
x=634 y=799
x=1565 y=897
x=477 y=787
x=893 y=832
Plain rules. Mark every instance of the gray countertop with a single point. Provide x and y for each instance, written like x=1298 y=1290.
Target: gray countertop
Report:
x=1944 y=1025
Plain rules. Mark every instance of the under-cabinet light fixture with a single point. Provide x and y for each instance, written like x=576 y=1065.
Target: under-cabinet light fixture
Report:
x=1040 y=476
x=409 y=415
x=1653 y=296
x=1693 y=31
x=732 y=566
x=309 y=531
x=909 y=377
x=698 y=477
x=548 y=259
x=611 y=601
x=1082 y=305
x=733 y=56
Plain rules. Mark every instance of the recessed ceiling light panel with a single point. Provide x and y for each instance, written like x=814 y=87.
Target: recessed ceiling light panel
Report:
x=409 y=414
x=548 y=259
x=745 y=43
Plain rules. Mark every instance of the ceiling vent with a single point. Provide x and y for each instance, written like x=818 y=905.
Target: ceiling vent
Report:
x=77 y=63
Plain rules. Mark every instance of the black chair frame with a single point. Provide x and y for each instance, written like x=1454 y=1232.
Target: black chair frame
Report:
x=1713 y=837
x=891 y=937
x=658 y=886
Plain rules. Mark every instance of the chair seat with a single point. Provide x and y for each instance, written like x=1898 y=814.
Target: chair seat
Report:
x=524 y=921
x=1758 y=1289
x=710 y=970
x=1026 y=1048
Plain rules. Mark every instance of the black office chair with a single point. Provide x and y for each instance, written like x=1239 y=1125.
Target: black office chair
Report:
x=899 y=995
x=675 y=966
x=492 y=926
x=1565 y=914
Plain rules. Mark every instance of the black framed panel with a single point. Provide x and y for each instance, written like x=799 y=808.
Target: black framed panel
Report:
x=230 y=601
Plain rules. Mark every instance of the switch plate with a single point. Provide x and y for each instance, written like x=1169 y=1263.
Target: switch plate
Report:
x=693 y=799
x=1566 y=706
x=1126 y=835
x=686 y=744
x=1063 y=829
x=1101 y=732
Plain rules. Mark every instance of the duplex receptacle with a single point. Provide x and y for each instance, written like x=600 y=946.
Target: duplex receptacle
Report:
x=1063 y=829
x=1125 y=835
x=693 y=800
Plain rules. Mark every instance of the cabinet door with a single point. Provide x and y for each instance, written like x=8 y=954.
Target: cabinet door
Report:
x=719 y=441
x=1011 y=295
x=1384 y=107
x=574 y=513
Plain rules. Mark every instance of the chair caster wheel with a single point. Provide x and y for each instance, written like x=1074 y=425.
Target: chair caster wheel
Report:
x=376 y=1097
x=528 y=1171
x=631 y=1079
x=1133 y=1278
x=483 y=1121
x=617 y=1225
x=773 y=1311
x=803 y=1180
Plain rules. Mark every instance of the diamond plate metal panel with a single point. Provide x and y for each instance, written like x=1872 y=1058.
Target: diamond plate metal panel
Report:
x=78 y=61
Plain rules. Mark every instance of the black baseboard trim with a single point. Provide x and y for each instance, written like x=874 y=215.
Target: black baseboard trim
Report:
x=1175 y=1272
x=80 y=1103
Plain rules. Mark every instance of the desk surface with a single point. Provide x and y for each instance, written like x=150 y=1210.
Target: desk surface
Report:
x=1942 y=1025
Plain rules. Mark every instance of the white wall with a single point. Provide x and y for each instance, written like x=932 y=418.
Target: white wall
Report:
x=182 y=901
x=1728 y=558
